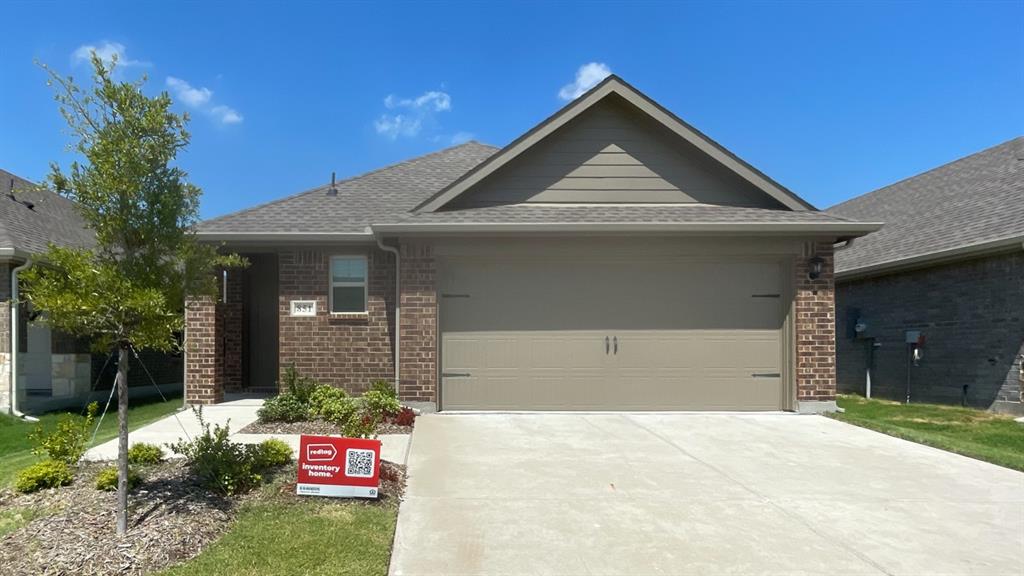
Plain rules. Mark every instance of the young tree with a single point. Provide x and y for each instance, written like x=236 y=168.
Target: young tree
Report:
x=128 y=291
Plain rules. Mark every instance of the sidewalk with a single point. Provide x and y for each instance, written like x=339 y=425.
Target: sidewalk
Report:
x=237 y=414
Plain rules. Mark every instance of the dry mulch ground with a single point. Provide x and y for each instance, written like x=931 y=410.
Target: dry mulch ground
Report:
x=315 y=427
x=172 y=519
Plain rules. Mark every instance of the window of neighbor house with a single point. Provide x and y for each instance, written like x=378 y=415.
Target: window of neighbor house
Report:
x=348 y=284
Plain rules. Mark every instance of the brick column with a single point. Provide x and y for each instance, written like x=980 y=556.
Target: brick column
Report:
x=815 y=331
x=418 y=324
x=201 y=352
x=231 y=321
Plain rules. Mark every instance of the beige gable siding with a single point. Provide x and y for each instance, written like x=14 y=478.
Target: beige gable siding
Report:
x=613 y=153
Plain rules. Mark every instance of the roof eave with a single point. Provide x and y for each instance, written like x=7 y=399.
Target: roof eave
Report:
x=838 y=230
x=998 y=246
x=263 y=238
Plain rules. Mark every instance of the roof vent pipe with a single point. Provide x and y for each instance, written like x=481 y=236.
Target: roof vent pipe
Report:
x=333 y=191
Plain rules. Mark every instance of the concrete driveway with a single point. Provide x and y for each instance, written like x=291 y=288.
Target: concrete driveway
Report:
x=697 y=494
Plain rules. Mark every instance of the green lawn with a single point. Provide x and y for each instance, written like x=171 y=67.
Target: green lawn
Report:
x=983 y=435
x=15 y=448
x=284 y=538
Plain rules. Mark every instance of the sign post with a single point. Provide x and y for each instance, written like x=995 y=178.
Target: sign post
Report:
x=338 y=467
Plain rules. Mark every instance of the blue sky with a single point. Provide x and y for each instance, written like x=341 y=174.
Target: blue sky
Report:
x=830 y=99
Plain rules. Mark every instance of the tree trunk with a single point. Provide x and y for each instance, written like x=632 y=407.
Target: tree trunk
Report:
x=122 y=438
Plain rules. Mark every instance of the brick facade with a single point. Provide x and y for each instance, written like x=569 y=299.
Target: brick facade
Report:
x=344 y=350
x=972 y=316
x=202 y=351
x=419 y=324
x=815 y=328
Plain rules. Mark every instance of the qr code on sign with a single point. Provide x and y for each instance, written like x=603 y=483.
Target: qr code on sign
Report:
x=359 y=463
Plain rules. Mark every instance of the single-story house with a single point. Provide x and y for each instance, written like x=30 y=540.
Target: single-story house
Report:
x=943 y=280
x=52 y=370
x=612 y=257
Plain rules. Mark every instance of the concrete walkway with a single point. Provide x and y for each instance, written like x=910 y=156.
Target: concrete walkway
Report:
x=236 y=414
x=637 y=494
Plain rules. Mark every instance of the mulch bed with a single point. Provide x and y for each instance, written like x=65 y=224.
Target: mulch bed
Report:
x=172 y=519
x=314 y=427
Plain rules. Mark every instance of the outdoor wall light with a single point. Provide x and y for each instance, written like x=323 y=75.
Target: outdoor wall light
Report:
x=814 y=266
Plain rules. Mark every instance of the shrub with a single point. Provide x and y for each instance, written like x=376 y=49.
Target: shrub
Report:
x=385 y=387
x=405 y=417
x=300 y=386
x=143 y=454
x=220 y=465
x=361 y=425
x=272 y=453
x=106 y=480
x=68 y=441
x=332 y=404
x=380 y=405
x=284 y=407
x=45 y=474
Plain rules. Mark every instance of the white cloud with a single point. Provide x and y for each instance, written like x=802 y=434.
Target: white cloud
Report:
x=106 y=51
x=226 y=115
x=433 y=100
x=415 y=114
x=194 y=97
x=588 y=76
x=395 y=125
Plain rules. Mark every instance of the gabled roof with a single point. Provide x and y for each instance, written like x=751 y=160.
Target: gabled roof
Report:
x=967 y=207
x=31 y=217
x=384 y=194
x=613 y=85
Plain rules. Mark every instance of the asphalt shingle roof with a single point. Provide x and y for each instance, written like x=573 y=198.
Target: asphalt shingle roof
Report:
x=977 y=199
x=382 y=195
x=52 y=218
x=608 y=213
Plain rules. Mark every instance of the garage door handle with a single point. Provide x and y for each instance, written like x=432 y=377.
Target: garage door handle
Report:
x=455 y=374
x=615 y=343
x=766 y=375
x=607 y=345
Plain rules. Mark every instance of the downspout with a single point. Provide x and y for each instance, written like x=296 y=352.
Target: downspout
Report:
x=15 y=324
x=398 y=308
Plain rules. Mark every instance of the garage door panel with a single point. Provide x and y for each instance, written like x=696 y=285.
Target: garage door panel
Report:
x=689 y=334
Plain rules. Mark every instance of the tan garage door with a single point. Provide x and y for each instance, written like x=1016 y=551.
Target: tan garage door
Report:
x=680 y=334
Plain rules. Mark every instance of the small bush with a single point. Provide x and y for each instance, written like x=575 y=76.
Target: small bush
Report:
x=300 y=386
x=220 y=465
x=284 y=407
x=332 y=404
x=68 y=441
x=143 y=454
x=272 y=453
x=405 y=417
x=380 y=405
x=45 y=474
x=106 y=480
x=384 y=387
x=361 y=425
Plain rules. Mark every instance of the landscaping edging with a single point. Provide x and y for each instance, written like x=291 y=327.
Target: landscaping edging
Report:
x=315 y=427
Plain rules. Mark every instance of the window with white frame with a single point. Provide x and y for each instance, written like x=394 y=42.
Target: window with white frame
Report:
x=348 y=284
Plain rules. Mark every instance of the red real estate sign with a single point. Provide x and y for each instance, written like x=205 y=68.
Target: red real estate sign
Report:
x=339 y=467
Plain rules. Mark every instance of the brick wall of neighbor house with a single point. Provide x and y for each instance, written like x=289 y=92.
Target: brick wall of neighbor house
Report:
x=419 y=324
x=972 y=316
x=815 y=328
x=344 y=350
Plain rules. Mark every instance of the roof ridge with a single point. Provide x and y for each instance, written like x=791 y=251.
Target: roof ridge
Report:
x=346 y=180
x=929 y=171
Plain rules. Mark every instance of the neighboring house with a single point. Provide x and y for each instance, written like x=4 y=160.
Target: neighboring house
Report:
x=52 y=369
x=949 y=267
x=612 y=257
